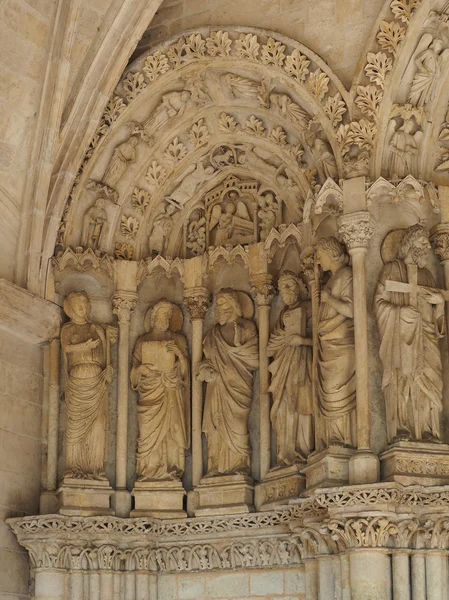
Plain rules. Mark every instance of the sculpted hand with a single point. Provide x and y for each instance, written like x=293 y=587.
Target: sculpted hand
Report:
x=91 y=344
x=295 y=340
x=325 y=296
x=432 y=297
x=206 y=372
x=108 y=373
x=172 y=347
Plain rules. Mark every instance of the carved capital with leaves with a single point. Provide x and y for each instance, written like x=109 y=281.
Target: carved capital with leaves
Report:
x=440 y=241
x=262 y=289
x=123 y=305
x=356 y=229
x=197 y=301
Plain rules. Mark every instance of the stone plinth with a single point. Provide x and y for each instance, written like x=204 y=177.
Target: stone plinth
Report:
x=328 y=468
x=85 y=497
x=161 y=499
x=279 y=487
x=409 y=463
x=222 y=495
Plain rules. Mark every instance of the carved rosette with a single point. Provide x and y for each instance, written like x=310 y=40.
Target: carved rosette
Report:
x=123 y=305
x=262 y=289
x=440 y=241
x=197 y=301
x=356 y=229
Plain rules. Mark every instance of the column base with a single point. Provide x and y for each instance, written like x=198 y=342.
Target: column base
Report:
x=364 y=467
x=327 y=468
x=222 y=495
x=160 y=499
x=416 y=463
x=121 y=503
x=279 y=486
x=85 y=497
x=48 y=503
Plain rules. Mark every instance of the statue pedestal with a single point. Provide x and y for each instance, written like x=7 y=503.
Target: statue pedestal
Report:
x=161 y=499
x=279 y=486
x=222 y=495
x=85 y=497
x=409 y=463
x=328 y=468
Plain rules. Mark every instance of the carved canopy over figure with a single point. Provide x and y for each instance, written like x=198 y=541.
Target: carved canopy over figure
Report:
x=410 y=324
x=87 y=374
x=160 y=375
x=291 y=373
x=231 y=352
x=336 y=356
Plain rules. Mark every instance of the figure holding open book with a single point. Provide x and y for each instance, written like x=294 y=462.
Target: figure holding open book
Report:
x=291 y=374
x=160 y=375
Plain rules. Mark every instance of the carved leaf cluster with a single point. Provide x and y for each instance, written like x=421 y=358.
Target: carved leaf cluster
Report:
x=360 y=133
x=176 y=151
x=199 y=134
x=129 y=226
x=377 y=67
x=247 y=46
x=123 y=251
x=297 y=65
x=227 y=123
x=156 y=174
x=219 y=44
x=403 y=9
x=254 y=125
x=134 y=84
x=368 y=99
x=140 y=199
x=273 y=53
x=156 y=65
x=318 y=84
x=278 y=135
x=335 y=108
x=390 y=36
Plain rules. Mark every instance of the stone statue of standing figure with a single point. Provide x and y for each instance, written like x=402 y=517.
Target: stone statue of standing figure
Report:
x=291 y=374
x=336 y=355
x=160 y=374
x=232 y=354
x=410 y=316
x=88 y=372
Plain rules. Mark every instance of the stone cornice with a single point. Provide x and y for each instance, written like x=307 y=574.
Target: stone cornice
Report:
x=384 y=516
x=26 y=315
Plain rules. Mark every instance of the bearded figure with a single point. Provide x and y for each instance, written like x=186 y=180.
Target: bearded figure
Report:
x=232 y=354
x=291 y=373
x=410 y=328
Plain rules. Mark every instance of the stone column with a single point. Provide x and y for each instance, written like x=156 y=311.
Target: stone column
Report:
x=197 y=300
x=356 y=230
x=49 y=584
x=123 y=306
x=436 y=575
x=401 y=575
x=370 y=574
x=440 y=242
x=48 y=501
x=263 y=293
x=418 y=568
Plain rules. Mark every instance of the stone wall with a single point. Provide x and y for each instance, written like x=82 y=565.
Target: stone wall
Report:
x=21 y=384
x=273 y=584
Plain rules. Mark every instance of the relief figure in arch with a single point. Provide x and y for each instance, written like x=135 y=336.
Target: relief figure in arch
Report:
x=291 y=374
x=160 y=374
x=85 y=347
x=410 y=325
x=232 y=354
x=336 y=355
